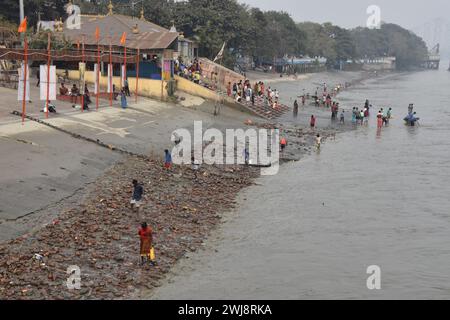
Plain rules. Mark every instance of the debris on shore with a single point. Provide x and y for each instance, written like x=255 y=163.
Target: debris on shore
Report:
x=100 y=236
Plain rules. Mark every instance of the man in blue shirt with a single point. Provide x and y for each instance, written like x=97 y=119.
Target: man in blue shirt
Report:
x=136 y=200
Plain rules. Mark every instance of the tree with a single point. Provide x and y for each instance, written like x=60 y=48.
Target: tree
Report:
x=390 y=40
x=247 y=31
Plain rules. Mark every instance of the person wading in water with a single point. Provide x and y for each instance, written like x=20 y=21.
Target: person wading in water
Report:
x=295 y=109
x=318 y=141
x=313 y=122
x=380 y=119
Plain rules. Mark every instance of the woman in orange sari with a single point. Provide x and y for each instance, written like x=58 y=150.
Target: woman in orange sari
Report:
x=146 y=236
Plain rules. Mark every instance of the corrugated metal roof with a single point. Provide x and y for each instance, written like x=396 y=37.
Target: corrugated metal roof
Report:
x=150 y=36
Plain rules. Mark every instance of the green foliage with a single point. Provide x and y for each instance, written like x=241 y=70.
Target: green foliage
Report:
x=7 y=24
x=49 y=10
x=247 y=31
x=390 y=40
x=338 y=44
x=40 y=41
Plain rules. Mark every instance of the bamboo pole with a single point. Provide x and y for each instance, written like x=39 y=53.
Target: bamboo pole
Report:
x=25 y=74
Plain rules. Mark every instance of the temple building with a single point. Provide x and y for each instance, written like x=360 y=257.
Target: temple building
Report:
x=155 y=46
x=154 y=43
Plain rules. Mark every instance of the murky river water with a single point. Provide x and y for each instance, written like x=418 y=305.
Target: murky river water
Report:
x=368 y=198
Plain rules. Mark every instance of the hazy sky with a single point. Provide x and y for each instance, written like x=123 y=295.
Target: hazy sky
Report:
x=351 y=13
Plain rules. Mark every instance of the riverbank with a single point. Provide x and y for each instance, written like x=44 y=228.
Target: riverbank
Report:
x=372 y=198
x=99 y=232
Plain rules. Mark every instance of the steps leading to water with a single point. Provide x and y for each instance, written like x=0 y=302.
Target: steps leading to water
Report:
x=260 y=108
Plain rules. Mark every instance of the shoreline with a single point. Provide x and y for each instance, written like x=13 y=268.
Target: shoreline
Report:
x=180 y=214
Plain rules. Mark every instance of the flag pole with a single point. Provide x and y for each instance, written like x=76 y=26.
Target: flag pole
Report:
x=110 y=68
x=98 y=73
x=162 y=75
x=83 y=82
x=125 y=65
x=137 y=73
x=25 y=67
x=48 y=72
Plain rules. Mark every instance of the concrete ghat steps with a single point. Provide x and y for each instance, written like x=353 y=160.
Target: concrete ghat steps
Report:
x=264 y=111
x=261 y=110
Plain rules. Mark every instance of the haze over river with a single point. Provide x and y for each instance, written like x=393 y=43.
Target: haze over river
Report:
x=368 y=198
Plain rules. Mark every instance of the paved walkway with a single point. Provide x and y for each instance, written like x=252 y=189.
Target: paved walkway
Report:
x=43 y=169
x=9 y=103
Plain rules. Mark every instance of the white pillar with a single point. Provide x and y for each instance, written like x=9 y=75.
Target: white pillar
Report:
x=22 y=13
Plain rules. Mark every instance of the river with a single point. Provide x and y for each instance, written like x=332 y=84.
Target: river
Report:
x=368 y=198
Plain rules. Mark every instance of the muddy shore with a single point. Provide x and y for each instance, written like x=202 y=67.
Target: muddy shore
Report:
x=99 y=234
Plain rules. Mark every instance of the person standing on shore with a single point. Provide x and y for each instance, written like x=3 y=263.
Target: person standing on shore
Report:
x=123 y=99
x=283 y=144
x=74 y=93
x=127 y=88
x=168 y=160
x=312 y=123
x=195 y=166
x=38 y=76
x=295 y=109
x=246 y=156
x=136 y=199
x=146 y=247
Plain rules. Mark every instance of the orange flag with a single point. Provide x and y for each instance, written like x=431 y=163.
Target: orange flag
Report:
x=97 y=34
x=123 y=40
x=23 y=26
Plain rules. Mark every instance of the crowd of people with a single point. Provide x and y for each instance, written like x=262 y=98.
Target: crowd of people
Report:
x=74 y=93
x=191 y=71
x=244 y=91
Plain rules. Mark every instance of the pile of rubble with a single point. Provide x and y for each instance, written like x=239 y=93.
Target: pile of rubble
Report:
x=100 y=236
